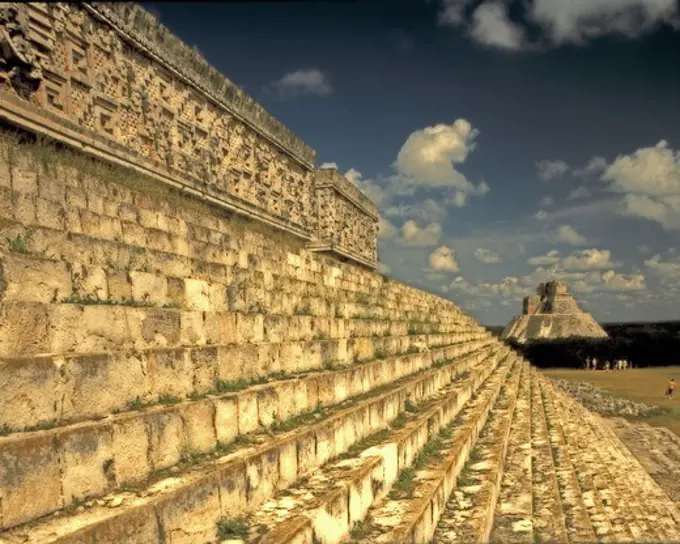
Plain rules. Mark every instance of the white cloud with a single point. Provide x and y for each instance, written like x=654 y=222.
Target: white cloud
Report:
x=649 y=180
x=383 y=268
x=443 y=259
x=487 y=256
x=567 y=235
x=548 y=170
x=579 y=193
x=546 y=202
x=588 y=259
x=541 y=215
x=668 y=270
x=328 y=165
x=428 y=157
x=490 y=26
x=385 y=228
x=560 y=22
x=413 y=235
x=300 y=83
x=427 y=210
x=594 y=167
x=552 y=257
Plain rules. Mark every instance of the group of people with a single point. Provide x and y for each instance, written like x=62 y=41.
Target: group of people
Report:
x=620 y=364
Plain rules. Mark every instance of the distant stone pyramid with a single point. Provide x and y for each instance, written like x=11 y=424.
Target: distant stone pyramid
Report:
x=550 y=314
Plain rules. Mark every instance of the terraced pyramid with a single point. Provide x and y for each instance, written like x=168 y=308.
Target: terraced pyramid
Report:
x=552 y=314
x=221 y=362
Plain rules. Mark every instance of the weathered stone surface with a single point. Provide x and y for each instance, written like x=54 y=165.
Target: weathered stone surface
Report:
x=551 y=314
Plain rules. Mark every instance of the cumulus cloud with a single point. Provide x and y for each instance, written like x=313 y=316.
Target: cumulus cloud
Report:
x=588 y=259
x=427 y=210
x=541 y=215
x=413 y=235
x=328 y=166
x=549 y=170
x=594 y=167
x=592 y=281
x=307 y=82
x=443 y=259
x=668 y=270
x=579 y=193
x=558 y=22
x=567 y=235
x=383 y=268
x=649 y=181
x=487 y=256
x=385 y=228
x=430 y=155
x=546 y=202
x=552 y=257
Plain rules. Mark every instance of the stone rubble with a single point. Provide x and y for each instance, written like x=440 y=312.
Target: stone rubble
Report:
x=602 y=402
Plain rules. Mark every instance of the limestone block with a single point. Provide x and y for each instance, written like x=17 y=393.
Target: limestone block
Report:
x=49 y=214
x=199 y=427
x=250 y=327
x=288 y=469
x=6 y=208
x=24 y=172
x=99 y=383
x=76 y=198
x=90 y=224
x=205 y=362
x=170 y=372
x=127 y=212
x=118 y=285
x=24 y=207
x=90 y=281
x=192 y=516
x=101 y=328
x=30 y=483
x=147 y=218
x=87 y=462
x=306 y=453
x=31 y=391
x=268 y=406
x=160 y=327
x=197 y=295
x=24 y=329
x=34 y=279
x=247 y=412
x=276 y=328
x=167 y=440
x=147 y=287
x=226 y=418
x=233 y=490
x=192 y=328
x=133 y=234
x=130 y=447
x=292 y=356
x=325 y=445
x=218 y=297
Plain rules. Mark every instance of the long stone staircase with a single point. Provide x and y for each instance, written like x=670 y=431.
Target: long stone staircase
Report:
x=188 y=394
x=195 y=345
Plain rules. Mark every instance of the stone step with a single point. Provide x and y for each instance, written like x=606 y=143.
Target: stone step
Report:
x=469 y=512
x=414 y=518
x=337 y=497
x=64 y=328
x=223 y=485
x=513 y=518
x=53 y=268
x=656 y=448
x=603 y=507
x=622 y=499
x=96 y=457
x=548 y=524
x=51 y=389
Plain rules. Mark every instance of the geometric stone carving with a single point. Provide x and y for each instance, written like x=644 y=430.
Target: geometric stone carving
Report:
x=348 y=220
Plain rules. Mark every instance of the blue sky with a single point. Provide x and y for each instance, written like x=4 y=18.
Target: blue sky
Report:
x=506 y=142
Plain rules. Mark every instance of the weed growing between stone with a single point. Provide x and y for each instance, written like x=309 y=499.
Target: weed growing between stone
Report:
x=231 y=529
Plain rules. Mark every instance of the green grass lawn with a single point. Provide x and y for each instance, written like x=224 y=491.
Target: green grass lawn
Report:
x=646 y=385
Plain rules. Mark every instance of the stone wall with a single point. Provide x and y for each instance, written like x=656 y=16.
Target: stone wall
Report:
x=348 y=221
x=113 y=81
